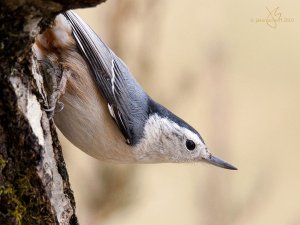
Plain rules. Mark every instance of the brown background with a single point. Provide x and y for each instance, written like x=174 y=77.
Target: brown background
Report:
x=236 y=81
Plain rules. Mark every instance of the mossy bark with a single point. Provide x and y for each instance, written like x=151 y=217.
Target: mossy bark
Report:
x=34 y=184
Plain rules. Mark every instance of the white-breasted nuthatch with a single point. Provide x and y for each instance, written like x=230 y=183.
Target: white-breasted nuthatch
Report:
x=106 y=113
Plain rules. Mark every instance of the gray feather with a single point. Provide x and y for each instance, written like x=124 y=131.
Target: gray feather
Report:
x=126 y=98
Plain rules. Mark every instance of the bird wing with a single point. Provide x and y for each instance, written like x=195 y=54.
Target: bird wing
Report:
x=127 y=102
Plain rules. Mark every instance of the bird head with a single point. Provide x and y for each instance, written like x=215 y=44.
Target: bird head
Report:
x=167 y=138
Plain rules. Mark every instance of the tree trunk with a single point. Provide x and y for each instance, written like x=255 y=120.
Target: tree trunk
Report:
x=34 y=183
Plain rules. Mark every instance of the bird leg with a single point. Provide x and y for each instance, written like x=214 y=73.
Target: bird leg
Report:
x=55 y=80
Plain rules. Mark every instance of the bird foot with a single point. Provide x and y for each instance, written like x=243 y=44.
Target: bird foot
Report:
x=55 y=80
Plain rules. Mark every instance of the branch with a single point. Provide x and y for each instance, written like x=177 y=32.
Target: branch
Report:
x=34 y=183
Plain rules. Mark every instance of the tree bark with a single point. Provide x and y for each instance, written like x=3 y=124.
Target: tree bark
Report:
x=34 y=183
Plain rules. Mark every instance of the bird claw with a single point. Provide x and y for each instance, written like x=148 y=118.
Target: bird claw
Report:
x=54 y=109
x=55 y=80
x=59 y=106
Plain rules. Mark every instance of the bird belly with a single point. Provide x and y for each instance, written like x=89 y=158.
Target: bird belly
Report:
x=89 y=126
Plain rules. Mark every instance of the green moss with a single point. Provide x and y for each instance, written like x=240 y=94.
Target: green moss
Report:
x=24 y=202
x=18 y=212
x=2 y=163
x=5 y=190
x=31 y=201
x=16 y=209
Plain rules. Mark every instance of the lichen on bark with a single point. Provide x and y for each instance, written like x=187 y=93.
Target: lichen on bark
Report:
x=34 y=184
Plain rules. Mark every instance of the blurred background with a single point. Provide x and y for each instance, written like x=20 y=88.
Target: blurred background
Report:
x=234 y=76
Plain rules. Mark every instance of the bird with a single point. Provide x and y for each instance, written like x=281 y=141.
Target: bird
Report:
x=106 y=112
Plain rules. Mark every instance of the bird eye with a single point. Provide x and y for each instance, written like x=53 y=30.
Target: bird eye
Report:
x=190 y=145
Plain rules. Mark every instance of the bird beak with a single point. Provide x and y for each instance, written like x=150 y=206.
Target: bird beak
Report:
x=218 y=162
